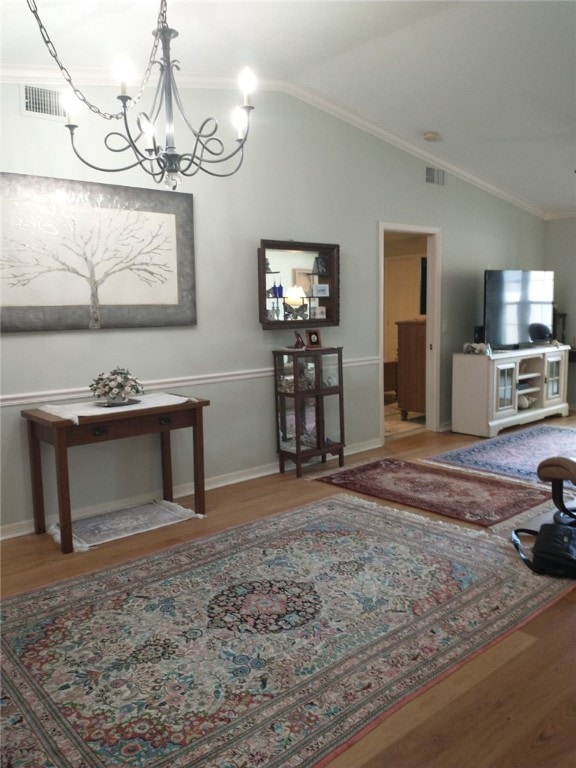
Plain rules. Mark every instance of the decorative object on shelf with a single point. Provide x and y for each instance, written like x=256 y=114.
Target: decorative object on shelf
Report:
x=476 y=349
x=313 y=339
x=525 y=402
x=161 y=161
x=116 y=386
x=295 y=296
x=321 y=266
x=320 y=290
x=295 y=313
x=300 y=343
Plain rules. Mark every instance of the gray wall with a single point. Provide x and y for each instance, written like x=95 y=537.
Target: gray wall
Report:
x=308 y=176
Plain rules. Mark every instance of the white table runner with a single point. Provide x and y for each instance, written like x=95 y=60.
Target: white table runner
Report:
x=73 y=411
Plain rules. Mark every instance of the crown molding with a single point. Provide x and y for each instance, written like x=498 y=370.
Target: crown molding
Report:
x=338 y=110
x=566 y=213
x=97 y=77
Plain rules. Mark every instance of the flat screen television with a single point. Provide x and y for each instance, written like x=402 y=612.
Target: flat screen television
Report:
x=518 y=307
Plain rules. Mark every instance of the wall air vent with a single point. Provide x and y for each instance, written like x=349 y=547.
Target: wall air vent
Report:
x=435 y=176
x=41 y=101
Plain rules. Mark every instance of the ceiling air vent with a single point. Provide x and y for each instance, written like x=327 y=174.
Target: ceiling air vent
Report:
x=42 y=101
x=435 y=176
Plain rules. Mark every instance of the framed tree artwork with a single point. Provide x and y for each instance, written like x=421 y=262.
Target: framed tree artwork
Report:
x=80 y=255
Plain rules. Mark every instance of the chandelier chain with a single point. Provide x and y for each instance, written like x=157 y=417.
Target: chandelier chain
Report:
x=66 y=74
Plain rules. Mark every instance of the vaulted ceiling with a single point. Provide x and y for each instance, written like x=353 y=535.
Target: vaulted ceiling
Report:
x=496 y=80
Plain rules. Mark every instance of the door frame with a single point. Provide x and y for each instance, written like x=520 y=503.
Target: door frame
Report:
x=433 y=318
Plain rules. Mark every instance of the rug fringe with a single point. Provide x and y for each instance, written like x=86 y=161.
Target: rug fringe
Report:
x=79 y=544
x=172 y=506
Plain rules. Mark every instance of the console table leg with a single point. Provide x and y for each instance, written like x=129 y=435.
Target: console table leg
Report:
x=63 y=485
x=198 y=448
x=36 y=477
x=166 y=448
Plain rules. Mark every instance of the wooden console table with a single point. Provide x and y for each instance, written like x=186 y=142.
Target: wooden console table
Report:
x=63 y=433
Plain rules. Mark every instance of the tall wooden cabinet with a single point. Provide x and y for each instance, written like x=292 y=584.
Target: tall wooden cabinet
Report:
x=411 y=366
x=309 y=405
x=504 y=389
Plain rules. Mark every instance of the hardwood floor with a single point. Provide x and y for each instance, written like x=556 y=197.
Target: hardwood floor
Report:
x=513 y=706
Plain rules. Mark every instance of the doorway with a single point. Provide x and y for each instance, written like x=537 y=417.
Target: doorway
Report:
x=416 y=265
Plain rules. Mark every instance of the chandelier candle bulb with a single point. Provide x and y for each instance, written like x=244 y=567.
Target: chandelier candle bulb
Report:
x=247 y=83
x=124 y=71
x=240 y=122
x=69 y=103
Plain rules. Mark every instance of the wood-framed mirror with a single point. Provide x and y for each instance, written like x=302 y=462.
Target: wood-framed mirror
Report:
x=298 y=284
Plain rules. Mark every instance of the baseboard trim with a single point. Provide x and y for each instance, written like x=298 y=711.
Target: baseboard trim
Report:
x=14 y=530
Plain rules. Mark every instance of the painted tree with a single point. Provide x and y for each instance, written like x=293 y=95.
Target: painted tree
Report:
x=87 y=237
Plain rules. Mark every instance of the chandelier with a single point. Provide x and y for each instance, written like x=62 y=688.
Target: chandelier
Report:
x=158 y=157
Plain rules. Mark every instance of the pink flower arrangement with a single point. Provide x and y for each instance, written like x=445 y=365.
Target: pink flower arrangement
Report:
x=116 y=385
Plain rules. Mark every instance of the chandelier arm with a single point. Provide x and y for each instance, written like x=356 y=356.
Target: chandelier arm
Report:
x=180 y=106
x=222 y=175
x=97 y=167
x=198 y=162
x=157 y=101
x=204 y=138
x=131 y=142
x=187 y=162
x=239 y=149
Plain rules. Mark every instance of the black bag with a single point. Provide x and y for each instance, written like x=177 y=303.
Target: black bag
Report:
x=554 y=551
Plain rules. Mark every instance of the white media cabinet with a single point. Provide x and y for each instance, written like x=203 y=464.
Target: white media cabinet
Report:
x=503 y=389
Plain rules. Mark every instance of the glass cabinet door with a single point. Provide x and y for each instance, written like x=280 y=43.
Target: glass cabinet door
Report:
x=553 y=377
x=505 y=386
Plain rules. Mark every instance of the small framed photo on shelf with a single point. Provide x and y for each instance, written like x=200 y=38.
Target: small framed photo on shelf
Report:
x=318 y=313
x=321 y=290
x=313 y=339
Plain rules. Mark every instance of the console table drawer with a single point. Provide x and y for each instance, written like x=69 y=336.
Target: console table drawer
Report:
x=115 y=429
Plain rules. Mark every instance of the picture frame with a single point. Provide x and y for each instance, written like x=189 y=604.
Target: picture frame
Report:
x=317 y=313
x=321 y=290
x=86 y=256
x=313 y=338
x=304 y=279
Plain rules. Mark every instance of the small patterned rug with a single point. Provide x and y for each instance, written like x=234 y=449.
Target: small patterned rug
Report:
x=516 y=454
x=119 y=523
x=271 y=644
x=449 y=492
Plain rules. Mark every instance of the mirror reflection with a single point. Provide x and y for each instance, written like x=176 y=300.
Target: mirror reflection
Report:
x=298 y=284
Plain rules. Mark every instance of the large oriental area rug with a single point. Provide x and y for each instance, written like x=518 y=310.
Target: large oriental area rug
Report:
x=449 y=492
x=275 y=643
x=516 y=454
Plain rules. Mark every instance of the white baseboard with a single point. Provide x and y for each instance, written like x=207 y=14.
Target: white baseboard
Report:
x=14 y=530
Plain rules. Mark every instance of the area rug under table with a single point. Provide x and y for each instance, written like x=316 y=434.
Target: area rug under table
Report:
x=275 y=643
x=516 y=454
x=452 y=493
x=120 y=523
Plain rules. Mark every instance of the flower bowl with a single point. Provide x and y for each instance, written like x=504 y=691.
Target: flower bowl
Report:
x=116 y=385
